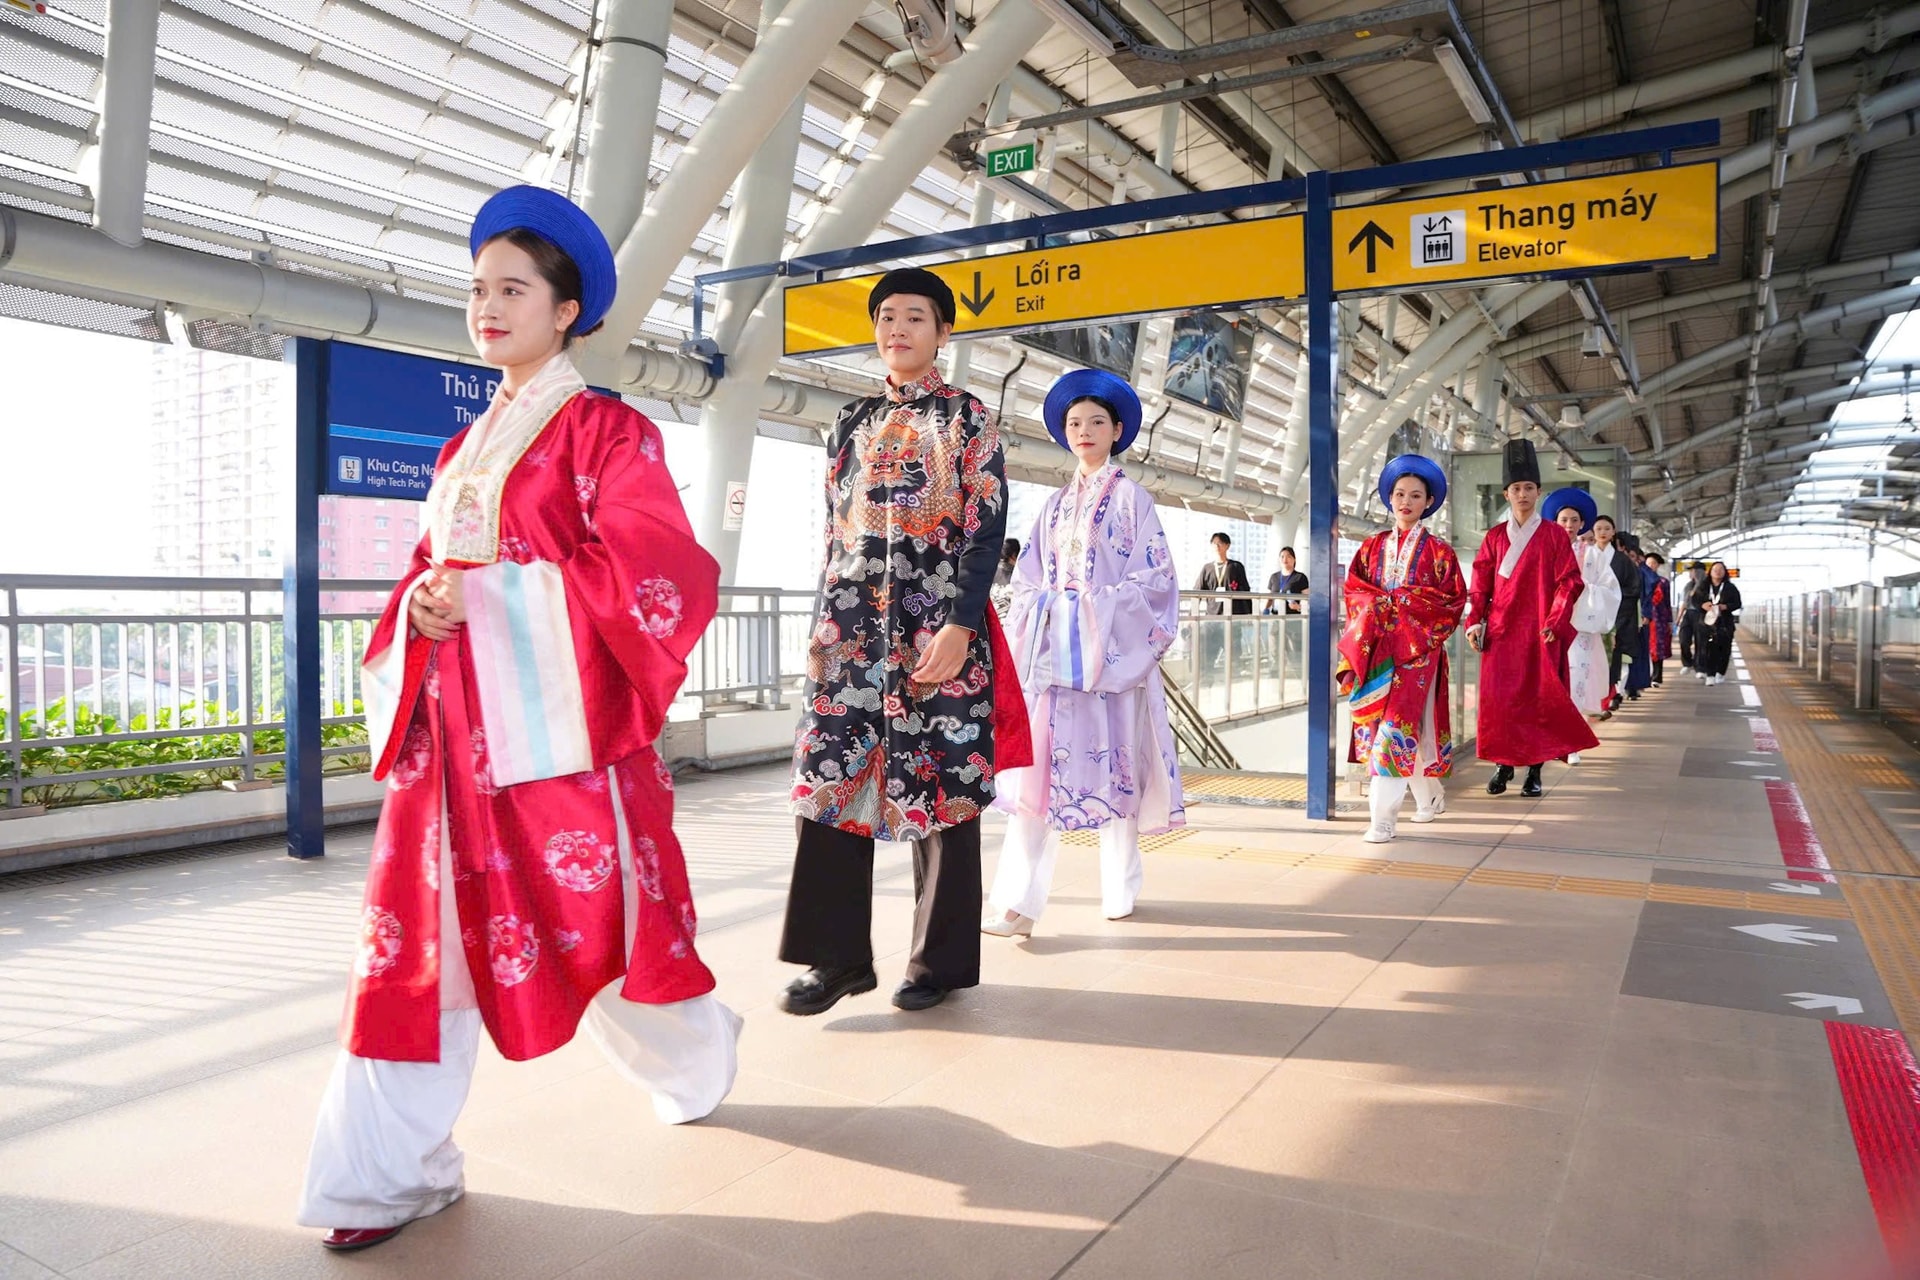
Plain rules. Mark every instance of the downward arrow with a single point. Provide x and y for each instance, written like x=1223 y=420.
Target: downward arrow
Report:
x=1844 y=1006
x=976 y=304
x=1374 y=235
x=1795 y=934
x=1812 y=889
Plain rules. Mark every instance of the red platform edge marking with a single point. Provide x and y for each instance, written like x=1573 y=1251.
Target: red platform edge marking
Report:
x=1880 y=1083
x=1799 y=846
x=1763 y=739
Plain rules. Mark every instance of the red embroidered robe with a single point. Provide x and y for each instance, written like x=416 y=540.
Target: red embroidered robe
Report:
x=1393 y=653
x=575 y=646
x=1527 y=714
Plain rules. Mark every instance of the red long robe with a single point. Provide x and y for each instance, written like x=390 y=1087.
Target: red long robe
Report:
x=1393 y=654
x=590 y=517
x=1527 y=715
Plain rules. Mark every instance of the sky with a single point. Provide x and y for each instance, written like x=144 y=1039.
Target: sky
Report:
x=73 y=472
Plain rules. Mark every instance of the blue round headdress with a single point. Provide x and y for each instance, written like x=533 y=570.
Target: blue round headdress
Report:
x=566 y=226
x=1425 y=469
x=1579 y=499
x=1092 y=382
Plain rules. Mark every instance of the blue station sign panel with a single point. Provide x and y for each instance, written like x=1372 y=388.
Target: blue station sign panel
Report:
x=388 y=416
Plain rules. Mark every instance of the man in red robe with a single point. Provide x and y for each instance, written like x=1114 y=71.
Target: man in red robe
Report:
x=1525 y=582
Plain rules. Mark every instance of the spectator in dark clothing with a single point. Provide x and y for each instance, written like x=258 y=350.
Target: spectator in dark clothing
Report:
x=1224 y=575
x=1289 y=580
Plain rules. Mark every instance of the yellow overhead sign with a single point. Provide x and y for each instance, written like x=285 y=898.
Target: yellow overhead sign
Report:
x=1581 y=225
x=1213 y=266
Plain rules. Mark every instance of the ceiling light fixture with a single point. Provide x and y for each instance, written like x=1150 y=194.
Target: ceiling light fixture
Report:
x=1458 y=76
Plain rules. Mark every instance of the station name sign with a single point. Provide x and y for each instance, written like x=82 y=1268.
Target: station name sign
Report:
x=389 y=415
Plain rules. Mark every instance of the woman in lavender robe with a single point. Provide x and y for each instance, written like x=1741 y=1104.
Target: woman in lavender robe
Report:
x=1095 y=607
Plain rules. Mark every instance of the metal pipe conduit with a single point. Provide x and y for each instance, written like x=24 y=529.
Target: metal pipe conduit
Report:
x=1869 y=307
x=1891 y=267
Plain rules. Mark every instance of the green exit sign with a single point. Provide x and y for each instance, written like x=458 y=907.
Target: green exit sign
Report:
x=1012 y=160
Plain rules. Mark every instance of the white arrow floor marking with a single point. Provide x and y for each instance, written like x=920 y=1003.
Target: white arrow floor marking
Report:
x=1796 y=934
x=1812 y=889
x=1844 y=1006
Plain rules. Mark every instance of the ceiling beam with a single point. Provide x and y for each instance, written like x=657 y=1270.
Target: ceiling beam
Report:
x=1346 y=108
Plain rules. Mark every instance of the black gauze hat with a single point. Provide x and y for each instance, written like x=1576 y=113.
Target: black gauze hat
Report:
x=1519 y=463
x=917 y=281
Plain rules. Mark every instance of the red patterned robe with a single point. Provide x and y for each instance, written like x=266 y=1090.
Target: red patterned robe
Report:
x=534 y=728
x=1393 y=652
x=1527 y=715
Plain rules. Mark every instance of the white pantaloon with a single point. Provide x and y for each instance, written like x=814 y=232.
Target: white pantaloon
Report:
x=1025 y=875
x=383 y=1150
x=1385 y=792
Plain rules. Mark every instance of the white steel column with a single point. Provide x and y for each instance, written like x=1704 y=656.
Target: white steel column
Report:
x=756 y=232
x=941 y=108
x=960 y=358
x=626 y=107
x=619 y=150
x=118 y=165
x=775 y=73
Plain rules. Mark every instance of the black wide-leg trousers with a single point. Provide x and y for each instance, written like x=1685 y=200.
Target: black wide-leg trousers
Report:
x=830 y=904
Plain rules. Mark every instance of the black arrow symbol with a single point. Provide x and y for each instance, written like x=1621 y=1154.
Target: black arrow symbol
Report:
x=976 y=304
x=1374 y=236
x=1444 y=223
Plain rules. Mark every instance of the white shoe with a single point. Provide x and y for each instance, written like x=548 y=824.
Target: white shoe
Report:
x=997 y=924
x=1378 y=834
x=1573 y=757
x=1713 y=679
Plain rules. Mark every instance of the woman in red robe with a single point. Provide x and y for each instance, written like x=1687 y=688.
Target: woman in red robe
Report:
x=525 y=875
x=1404 y=598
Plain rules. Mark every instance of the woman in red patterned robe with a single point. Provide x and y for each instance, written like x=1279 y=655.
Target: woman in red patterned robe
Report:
x=1404 y=595
x=525 y=875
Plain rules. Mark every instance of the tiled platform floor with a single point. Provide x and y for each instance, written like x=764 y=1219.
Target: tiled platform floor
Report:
x=1278 y=1068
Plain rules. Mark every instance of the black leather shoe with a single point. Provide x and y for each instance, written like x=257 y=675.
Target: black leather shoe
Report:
x=1497 y=785
x=914 y=996
x=1531 y=787
x=818 y=990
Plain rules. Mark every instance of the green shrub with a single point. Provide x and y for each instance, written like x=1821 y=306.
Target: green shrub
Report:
x=222 y=742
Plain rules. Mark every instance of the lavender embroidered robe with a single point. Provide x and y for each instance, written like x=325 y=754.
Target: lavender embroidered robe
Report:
x=1095 y=607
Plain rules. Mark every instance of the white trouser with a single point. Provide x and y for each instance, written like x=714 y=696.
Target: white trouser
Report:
x=1385 y=793
x=383 y=1150
x=1025 y=874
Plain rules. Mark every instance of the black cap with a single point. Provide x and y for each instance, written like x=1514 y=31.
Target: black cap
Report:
x=1520 y=463
x=917 y=281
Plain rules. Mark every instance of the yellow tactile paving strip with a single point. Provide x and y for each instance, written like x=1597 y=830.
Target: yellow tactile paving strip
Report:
x=1733 y=899
x=1199 y=783
x=1147 y=843
x=1888 y=915
x=1851 y=833
x=1886 y=910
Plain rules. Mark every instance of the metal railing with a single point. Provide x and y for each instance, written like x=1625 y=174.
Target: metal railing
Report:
x=115 y=688
x=1240 y=666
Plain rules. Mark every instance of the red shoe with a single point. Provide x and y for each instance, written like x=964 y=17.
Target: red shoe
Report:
x=347 y=1239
